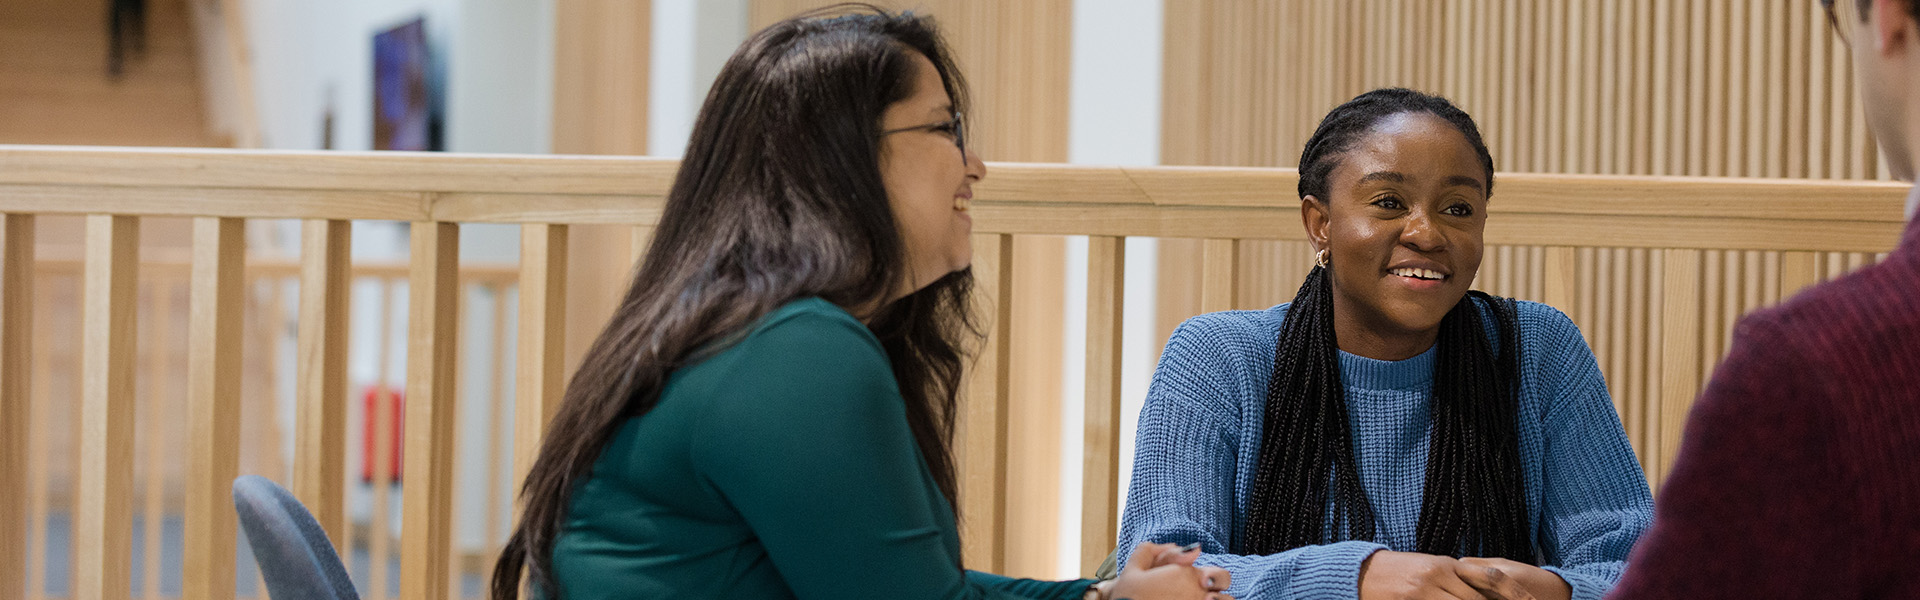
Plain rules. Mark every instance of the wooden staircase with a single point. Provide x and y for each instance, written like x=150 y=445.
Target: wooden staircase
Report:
x=55 y=89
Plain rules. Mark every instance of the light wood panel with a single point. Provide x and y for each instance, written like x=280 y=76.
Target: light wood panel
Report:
x=432 y=326
x=983 y=423
x=213 y=405
x=1100 y=479
x=16 y=397
x=320 y=446
x=539 y=379
x=104 y=513
x=602 y=56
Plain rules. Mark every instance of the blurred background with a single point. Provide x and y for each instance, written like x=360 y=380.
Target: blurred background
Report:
x=1734 y=88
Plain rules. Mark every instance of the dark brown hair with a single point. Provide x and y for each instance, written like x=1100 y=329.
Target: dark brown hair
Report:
x=779 y=197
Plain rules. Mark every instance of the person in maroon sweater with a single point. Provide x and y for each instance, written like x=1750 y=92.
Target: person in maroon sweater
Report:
x=1799 y=473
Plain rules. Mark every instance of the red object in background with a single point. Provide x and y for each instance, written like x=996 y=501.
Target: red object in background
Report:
x=396 y=415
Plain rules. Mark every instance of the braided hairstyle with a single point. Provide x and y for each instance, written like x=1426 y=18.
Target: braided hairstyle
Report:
x=1307 y=488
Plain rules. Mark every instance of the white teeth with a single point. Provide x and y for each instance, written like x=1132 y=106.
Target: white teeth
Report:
x=1418 y=273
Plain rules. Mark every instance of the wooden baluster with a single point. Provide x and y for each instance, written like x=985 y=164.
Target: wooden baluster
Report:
x=983 y=425
x=158 y=389
x=1220 y=275
x=497 y=358
x=320 y=393
x=216 y=308
x=380 y=531
x=432 y=335
x=103 y=515
x=1100 y=481
x=38 y=484
x=16 y=398
x=539 y=369
x=1681 y=348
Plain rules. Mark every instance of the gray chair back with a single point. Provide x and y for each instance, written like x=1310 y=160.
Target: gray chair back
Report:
x=296 y=559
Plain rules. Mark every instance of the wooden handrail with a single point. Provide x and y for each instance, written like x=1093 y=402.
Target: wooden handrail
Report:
x=1016 y=198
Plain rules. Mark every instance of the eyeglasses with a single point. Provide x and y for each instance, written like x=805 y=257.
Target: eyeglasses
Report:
x=954 y=127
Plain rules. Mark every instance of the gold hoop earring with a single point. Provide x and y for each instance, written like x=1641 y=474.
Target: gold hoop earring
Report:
x=1320 y=258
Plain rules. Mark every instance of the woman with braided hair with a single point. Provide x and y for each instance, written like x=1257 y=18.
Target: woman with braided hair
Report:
x=1390 y=433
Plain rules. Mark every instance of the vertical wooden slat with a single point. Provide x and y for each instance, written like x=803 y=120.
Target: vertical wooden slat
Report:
x=103 y=515
x=1561 y=276
x=983 y=423
x=496 y=442
x=379 y=534
x=1100 y=482
x=153 y=418
x=38 y=485
x=1634 y=388
x=432 y=332
x=1797 y=271
x=320 y=425
x=215 y=311
x=539 y=368
x=16 y=399
x=1220 y=275
x=1680 y=351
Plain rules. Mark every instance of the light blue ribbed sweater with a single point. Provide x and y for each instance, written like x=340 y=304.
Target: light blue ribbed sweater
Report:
x=1199 y=438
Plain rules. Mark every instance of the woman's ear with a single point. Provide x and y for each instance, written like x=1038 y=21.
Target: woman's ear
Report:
x=1313 y=215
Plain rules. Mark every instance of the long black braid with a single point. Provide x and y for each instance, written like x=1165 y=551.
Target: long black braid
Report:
x=1306 y=488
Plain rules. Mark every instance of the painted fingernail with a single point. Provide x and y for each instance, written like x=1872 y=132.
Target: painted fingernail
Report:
x=1190 y=547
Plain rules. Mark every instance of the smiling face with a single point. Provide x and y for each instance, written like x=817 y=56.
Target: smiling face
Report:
x=1403 y=227
x=928 y=184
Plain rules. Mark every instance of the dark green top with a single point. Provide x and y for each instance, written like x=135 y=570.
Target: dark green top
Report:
x=780 y=467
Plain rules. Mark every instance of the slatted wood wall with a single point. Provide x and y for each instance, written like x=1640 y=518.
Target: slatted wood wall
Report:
x=1709 y=87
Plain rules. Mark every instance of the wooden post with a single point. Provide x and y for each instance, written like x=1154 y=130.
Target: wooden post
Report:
x=432 y=327
x=540 y=378
x=16 y=400
x=1680 y=350
x=983 y=424
x=103 y=516
x=216 y=310
x=320 y=438
x=1100 y=481
x=1220 y=275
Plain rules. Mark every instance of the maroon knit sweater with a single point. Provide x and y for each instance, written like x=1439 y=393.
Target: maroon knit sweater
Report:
x=1799 y=474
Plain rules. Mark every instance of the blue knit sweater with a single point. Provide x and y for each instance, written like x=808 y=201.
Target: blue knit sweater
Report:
x=1199 y=438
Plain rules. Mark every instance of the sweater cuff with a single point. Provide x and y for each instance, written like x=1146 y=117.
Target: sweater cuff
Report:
x=1325 y=571
x=1585 y=586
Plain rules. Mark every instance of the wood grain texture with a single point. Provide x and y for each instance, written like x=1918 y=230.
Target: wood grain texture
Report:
x=539 y=379
x=320 y=398
x=103 y=516
x=1100 y=479
x=432 y=327
x=982 y=428
x=217 y=308
x=16 y=399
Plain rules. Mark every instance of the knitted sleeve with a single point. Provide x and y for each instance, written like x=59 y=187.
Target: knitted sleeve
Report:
x=1594 y=500
x=1184 y=481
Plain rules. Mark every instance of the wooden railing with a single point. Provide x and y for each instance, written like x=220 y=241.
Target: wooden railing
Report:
x=1654 y=269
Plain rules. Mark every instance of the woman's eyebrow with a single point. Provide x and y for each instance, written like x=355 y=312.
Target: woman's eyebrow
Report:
x=1464 y=181
x=1382 y=176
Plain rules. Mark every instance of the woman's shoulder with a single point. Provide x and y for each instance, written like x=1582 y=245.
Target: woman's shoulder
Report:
x=1232 y=327
x=1543 y=327
x=809 y=322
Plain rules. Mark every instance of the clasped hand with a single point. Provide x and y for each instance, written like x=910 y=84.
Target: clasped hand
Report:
x=1165 y=572
x=1388 y=575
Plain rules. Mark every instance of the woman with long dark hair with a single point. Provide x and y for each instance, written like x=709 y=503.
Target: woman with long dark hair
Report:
x=1390 y=433
x=770 y=412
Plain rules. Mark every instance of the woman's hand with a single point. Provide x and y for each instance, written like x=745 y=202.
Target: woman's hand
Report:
x=1543 y=584
x=1389 y=575
x=1166 y=571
